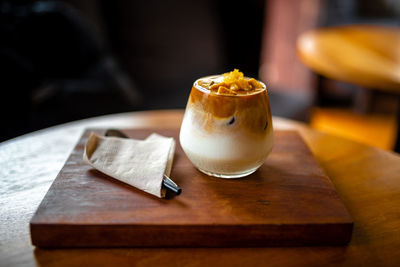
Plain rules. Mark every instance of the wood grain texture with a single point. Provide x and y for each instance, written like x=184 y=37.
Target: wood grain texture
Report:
x=366 y=55
x=288 y=201
x=367 y=180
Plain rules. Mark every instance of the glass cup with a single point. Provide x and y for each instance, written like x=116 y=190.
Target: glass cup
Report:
x=226 y=136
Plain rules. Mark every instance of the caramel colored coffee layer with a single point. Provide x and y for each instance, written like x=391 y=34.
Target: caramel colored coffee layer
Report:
x=250 y=112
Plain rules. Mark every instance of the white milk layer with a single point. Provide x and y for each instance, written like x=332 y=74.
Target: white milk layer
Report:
x=225 y=152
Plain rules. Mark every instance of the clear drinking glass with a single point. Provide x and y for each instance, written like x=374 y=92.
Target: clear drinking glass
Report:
x=227 y=136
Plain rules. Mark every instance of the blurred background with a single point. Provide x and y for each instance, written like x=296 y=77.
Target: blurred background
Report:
x=67 y=60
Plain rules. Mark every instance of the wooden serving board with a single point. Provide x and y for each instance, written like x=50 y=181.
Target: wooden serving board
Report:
x=289 y=201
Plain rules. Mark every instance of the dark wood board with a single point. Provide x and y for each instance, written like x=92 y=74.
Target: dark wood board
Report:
x=289 y=201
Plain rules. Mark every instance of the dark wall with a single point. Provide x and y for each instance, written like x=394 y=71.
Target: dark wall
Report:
x=165 y=45
x=68 y=60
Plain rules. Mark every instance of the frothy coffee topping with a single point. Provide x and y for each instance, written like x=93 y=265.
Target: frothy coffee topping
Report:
x=231 y=83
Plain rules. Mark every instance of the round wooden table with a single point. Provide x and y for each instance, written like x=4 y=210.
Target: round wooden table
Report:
x=366 y=55
x=367 y=179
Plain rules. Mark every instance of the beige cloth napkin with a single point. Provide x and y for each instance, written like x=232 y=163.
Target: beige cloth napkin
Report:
x=140 y=163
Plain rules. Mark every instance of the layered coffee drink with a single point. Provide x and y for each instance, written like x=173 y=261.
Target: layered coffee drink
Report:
x=227 y=127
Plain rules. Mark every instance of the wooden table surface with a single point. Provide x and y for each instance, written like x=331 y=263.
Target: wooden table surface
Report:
x=367 y=179
x=367 y=55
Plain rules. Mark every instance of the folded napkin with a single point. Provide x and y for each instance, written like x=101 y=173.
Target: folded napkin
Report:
x=140 y=163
